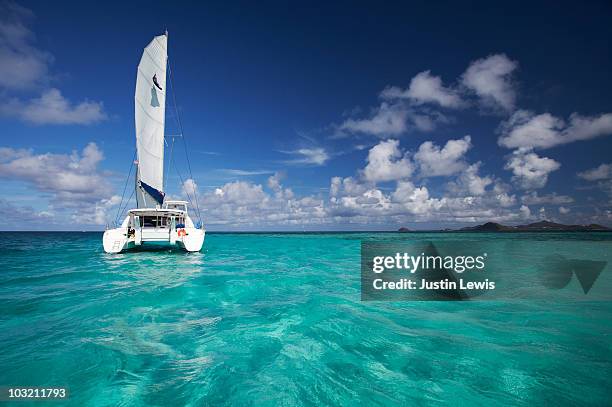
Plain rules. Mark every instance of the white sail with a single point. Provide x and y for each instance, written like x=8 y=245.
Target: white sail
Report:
x=150 y=112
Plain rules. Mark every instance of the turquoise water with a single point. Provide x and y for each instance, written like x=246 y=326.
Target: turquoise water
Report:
x=276 y=319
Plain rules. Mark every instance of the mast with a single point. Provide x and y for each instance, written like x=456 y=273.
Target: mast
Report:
x=149 y=115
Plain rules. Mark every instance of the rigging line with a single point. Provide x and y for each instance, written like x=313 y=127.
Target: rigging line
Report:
x=169 y=162
x=183 y=183
x=124 y=189
x=178 y=119
x=129 y=199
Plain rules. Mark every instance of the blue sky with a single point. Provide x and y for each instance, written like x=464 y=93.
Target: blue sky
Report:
x=340 y=116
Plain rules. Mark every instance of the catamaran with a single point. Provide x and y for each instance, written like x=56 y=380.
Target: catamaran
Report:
x=156 y=221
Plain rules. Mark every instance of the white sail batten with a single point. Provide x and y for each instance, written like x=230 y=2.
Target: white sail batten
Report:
x=150 y=112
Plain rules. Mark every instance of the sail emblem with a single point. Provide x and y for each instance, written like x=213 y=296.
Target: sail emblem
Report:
x=155 y=82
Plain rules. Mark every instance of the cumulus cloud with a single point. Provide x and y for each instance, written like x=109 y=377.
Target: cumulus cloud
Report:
x=99 y=213
x=386 y=120
x=386 y=162
x=71 y=177
x=604 y=171
x=274 y=181
x=436 y=161
x=530 y=170
x=73 y=181
x=553 y=199
x=563 y=210
x=402 y=110
x=490 y=79
x=415 y=200
x=470 y=183
x=244 y=204
x=16 y=216
x=392 y=119
x=240 y=192
x=426 y=88
x=346 y=186
x=525 y=212
x=24 y=67
x=189 y=188
x=602 y=175
x=53 y=108
x=364 y=203
x=542 y=214
x=358 y=200
x=524 y=129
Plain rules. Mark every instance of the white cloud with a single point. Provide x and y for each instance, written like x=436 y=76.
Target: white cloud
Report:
x=72 y=177
x=15 y=216
x=403 y=110
x=189 y=188
x=603 y=172
x=505 y=200
x=243 y=173
x=357 y=201
x=563 y=210
x=53 y=108
x=415 y=200
x=22 y=65
x=393 y=119
x=525 y=212
x=524 y=129
x=386 y=162
x=386 y=120
x=73 y=181
x=409 y=203
x=542 y=214
x=469 y=182
x=274 y=182
x=309 y=156
x=425 y=88
x=553 y=199
x=435 y=161
x=346 y=186
x=99 y=213
x=244 y=204
x=530 y=170
x=25 y=67
x=241 y=192
x=491 y=79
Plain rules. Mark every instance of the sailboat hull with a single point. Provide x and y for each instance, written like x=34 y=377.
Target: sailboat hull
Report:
x=120 y=239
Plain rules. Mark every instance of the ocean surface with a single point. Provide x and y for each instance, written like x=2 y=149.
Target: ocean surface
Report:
x=277 y=319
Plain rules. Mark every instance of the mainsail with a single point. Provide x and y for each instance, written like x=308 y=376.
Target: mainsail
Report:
x=150 y=113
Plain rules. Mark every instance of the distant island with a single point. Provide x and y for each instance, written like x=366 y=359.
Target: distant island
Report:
x=542 y=226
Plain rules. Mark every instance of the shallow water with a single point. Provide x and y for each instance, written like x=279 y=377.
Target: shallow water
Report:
x=276 y=319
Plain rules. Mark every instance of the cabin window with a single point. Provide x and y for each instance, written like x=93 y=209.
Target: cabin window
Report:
x=153 y=221
x=149 y=221
x=180 y=207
